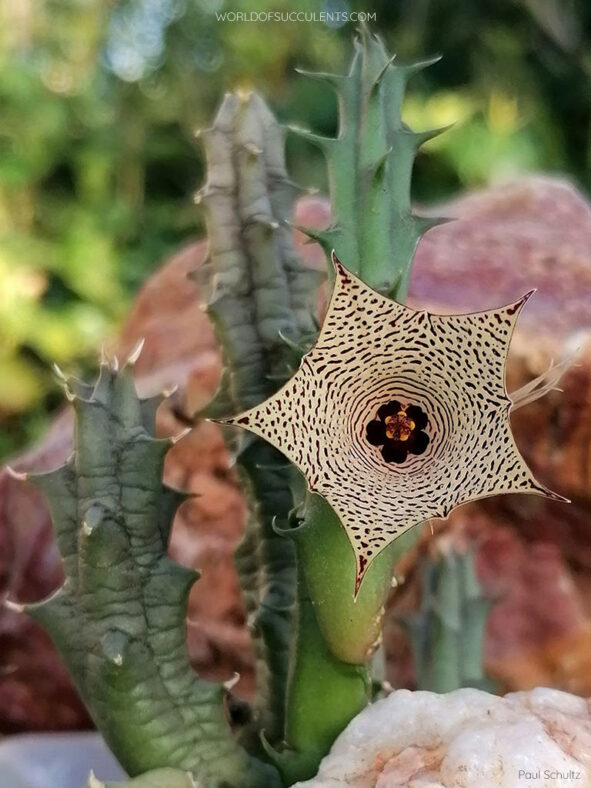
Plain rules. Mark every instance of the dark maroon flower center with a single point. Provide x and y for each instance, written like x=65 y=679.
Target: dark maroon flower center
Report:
x=398 y=429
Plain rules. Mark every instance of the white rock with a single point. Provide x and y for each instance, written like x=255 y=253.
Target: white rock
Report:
x=465 y=739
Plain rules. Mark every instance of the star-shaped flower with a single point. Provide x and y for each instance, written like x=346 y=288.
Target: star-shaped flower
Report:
x=396 y=416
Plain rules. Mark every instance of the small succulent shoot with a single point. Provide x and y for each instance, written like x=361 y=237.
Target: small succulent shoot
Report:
x=447 y=632
x=119 y=620
x=397 y=416
x=261 y=297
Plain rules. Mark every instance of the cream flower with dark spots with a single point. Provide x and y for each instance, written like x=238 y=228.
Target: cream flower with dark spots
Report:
x=397 y=416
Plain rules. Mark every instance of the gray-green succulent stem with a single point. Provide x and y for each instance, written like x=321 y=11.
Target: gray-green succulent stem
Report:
x=261 y=300
x=119 y=620
x=447 y=634
x=374 y=231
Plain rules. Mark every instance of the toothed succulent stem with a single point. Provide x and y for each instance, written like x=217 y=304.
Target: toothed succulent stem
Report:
x=374 y=231
x=447 y=633
x=261 y=300
x=119 y=620
x=351 y=626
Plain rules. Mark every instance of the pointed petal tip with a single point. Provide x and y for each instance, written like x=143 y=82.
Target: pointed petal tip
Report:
x=221 y=421
x=362 y=564
x=338 y=266
x=556 y=496
x=19 y=476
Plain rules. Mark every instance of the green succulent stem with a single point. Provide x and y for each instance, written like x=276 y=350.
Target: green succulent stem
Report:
x=119 y=620
x=261 y=300
x=266 y=566
x=374 y=230
x=351 y=626
x=160 y=778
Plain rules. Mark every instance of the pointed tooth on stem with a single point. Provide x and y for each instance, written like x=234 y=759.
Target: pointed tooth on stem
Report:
x=231 y=683
x=59 y=372
x=20 y=476
x=14 y=607
x=183 y=434
x=136 y=352
x=93 y=782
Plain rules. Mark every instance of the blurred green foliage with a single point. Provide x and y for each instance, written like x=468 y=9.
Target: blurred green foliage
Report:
x=99 y=102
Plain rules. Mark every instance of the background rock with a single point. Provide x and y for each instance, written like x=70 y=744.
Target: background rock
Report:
x=533 y=555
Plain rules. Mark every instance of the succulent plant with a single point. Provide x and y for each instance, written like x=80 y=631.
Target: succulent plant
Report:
x=374 y=232
x=119 y=620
